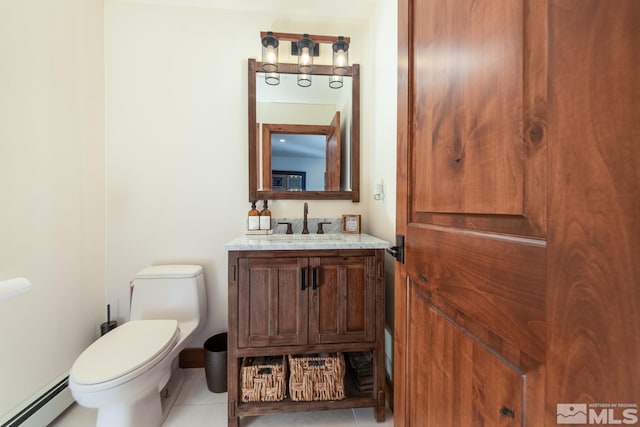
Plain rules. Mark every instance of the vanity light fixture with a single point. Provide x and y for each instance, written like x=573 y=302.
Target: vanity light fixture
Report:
x=304 y=47
x=340 y=56
x=305 y=55
x=304 y=80
x=270 y=53
x=335 y=82
x=272 y=79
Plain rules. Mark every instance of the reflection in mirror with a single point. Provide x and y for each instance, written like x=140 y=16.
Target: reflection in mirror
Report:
x=308 y=132
x=314 y=150
x=304 y=114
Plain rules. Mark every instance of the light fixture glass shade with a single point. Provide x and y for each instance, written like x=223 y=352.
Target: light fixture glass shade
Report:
x=270 y=53
x=340 y=57
x=305 y=55
x=272 y=79
x=335 y=82
x=304 y=80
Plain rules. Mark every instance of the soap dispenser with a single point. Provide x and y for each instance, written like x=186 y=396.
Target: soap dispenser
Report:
x=265 y=217
x=253 y=217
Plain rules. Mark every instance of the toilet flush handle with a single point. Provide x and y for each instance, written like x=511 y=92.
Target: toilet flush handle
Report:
x=130 y=294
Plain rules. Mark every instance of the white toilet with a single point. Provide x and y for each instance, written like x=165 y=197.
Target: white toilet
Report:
x=123 y=373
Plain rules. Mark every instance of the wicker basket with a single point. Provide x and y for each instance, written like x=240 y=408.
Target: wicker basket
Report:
x=316 y=377
x=264 y=379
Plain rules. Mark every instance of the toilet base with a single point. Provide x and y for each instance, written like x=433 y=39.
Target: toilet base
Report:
x=150 y=410
x=146 y=411
x=170 y=392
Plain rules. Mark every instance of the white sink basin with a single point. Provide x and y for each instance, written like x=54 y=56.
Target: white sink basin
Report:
x=304 y=237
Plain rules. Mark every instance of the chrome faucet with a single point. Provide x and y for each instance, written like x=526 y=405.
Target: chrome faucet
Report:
x=305 y=225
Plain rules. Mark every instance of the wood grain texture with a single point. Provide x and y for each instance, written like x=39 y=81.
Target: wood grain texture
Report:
x=333 y=152
x=497 y=283
x=464 y=384
x=343 y=304
x=472 y=203
x=594 y=228
x=192 y=358
x=468 y=83
x=580 y=131
x=254 y=159
x=344 y=313
x=400 y=309
x=272 y=306
x=256 y=175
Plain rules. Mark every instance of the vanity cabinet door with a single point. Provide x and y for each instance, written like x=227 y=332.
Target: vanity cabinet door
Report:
x=342 y=299
x=272 y=302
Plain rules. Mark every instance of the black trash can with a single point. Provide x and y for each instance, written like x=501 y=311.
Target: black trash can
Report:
x=215 y=362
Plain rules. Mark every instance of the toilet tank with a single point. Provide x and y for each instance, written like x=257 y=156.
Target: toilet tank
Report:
x=169 y=292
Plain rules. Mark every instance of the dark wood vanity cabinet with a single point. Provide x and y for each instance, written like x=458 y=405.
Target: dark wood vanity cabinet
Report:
x=300 y=302
x=272 y=302
x=342 y=299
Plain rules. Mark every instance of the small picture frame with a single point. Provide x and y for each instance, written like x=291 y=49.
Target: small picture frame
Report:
x=351 y=223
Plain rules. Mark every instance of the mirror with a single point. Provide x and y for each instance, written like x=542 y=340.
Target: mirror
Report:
x=303 y=141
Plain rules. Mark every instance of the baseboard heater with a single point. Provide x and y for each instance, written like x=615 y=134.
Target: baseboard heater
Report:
x=43 y=407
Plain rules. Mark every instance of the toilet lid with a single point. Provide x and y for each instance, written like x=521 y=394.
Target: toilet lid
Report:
x=169 y=271
x=124 y=350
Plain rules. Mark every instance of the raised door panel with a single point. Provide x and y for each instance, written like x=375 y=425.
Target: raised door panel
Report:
x=461 y=382
x=342 y=299
x=496 y=283
x=478 y=105
x=470 y=64
x=273 y=302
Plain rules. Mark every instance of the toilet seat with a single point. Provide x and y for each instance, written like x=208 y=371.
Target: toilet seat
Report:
x=124 y=353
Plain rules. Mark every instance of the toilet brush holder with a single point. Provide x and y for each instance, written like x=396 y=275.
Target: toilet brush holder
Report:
x=109 y=324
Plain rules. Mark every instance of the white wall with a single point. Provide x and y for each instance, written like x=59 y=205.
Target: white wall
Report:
x=51 y=188
x=176 y=136
x=382 y=156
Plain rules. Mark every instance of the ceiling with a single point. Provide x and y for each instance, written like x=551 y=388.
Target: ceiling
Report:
x=299 y=146
x=358 y=9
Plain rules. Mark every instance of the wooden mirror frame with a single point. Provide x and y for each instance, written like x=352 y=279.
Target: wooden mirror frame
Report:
x=254 y=175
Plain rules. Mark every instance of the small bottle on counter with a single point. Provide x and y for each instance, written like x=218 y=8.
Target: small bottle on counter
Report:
x=265 y=217
x=253 y=217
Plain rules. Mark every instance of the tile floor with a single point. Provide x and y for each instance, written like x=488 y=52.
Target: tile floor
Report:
x=196 y=406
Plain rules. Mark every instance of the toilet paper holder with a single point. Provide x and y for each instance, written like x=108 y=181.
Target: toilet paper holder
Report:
x=14 y=287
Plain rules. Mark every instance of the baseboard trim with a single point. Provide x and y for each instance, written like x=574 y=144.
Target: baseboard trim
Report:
x=43 y=407
x=192 y=358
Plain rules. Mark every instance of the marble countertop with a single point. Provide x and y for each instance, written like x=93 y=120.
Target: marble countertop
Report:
x=305 y=241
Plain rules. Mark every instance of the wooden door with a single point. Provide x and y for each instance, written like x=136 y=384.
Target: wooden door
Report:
x=594 y=208
x=470 y=300
x=272 y=302
x=342 y=299
x=333 y=156
x=519 y=202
